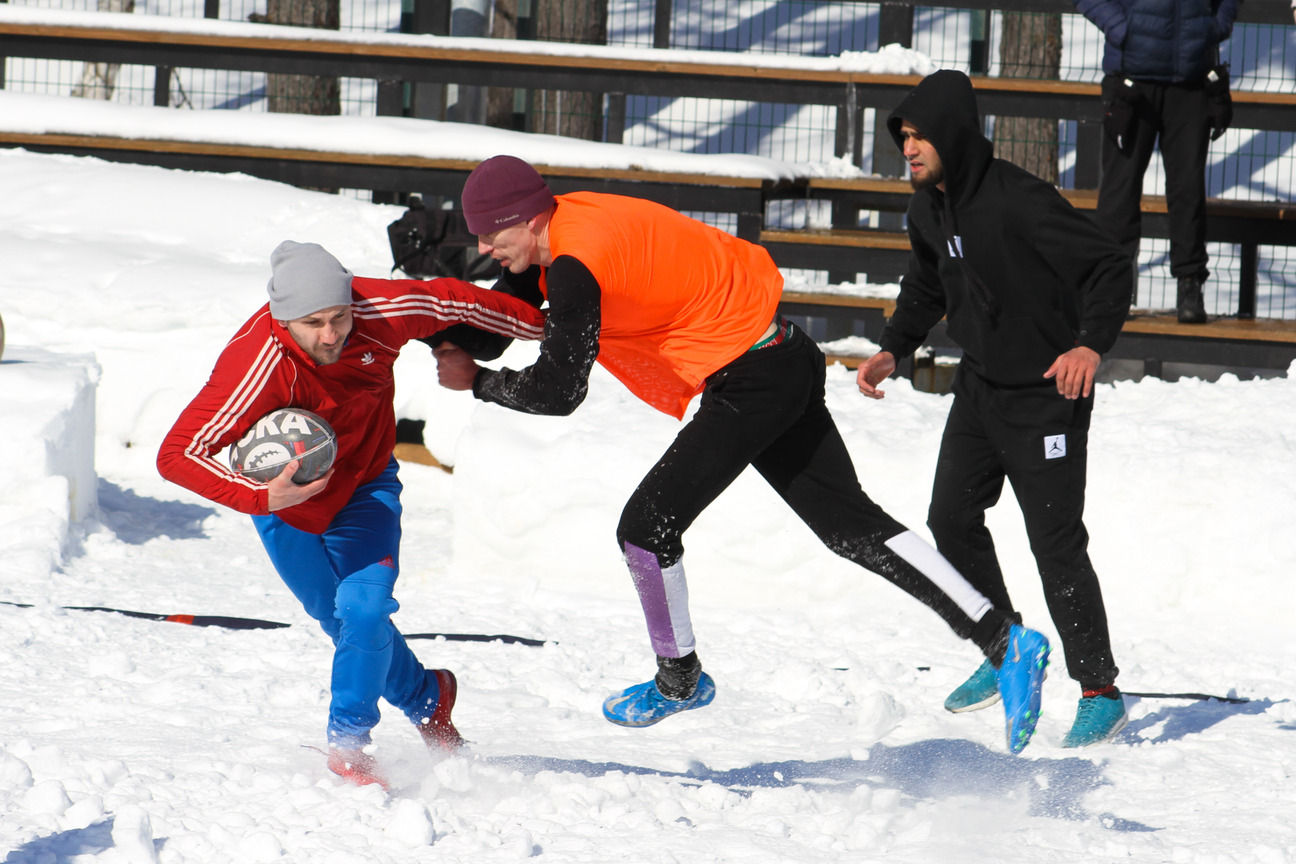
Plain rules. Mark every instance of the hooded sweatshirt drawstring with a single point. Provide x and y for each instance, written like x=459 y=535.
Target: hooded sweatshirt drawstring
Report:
x=943 y=108
x=980 y=291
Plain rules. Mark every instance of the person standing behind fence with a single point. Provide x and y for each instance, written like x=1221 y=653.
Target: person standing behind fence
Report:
x=1033 y=292
x=1162 y=82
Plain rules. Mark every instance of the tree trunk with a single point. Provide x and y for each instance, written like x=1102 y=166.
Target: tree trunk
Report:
x=1031 y=48
x=304 y=94
x=574 y=114
x=99 y=79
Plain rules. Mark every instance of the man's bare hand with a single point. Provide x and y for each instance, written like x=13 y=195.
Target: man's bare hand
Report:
x=873 y=372
x=1074 y=372
x=456 y=370
x=283 y=492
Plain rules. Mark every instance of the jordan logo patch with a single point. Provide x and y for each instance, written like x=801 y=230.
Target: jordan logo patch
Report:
x=1054 y=446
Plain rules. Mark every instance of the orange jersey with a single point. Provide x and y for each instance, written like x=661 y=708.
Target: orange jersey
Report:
x=679 y=298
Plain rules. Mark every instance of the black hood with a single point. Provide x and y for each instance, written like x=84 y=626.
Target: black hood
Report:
x=943 y=108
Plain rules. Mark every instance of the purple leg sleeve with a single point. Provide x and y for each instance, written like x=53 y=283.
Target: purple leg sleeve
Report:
x=664 y=597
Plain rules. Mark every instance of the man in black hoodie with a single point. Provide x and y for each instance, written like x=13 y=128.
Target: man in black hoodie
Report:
x=1034 y=292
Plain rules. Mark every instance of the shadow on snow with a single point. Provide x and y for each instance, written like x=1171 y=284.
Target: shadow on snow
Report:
x=68 y=846
x=943 y=768
x=926 y=770
x=136 y=519
x=1180 y=721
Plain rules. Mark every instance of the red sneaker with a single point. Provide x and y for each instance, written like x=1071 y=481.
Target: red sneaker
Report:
x=438 y=731
x=357 y=767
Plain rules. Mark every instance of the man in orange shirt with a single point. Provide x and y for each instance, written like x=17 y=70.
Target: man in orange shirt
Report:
x=675 y=308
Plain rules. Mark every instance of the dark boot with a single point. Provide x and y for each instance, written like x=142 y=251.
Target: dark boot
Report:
x=677 y=677
x=1192 y=310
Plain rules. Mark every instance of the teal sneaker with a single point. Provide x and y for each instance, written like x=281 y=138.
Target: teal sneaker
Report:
x=1098 y=719
x=977 y=692
x=644 y=705
x=1021 y=684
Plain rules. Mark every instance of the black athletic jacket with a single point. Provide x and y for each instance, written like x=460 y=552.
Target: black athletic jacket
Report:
x=1036 y=277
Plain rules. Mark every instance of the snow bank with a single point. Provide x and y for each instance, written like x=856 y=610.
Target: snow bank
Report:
x=47 y=421
x=129 y=740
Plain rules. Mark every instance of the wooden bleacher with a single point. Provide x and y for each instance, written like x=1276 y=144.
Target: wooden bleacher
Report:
x=1152 y=339
x=742 y=196
x=840 y=250
x=388 y=58
x=170 y=42
x=1249 y=224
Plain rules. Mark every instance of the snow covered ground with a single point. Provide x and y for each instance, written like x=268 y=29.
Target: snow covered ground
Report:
x=128 y=740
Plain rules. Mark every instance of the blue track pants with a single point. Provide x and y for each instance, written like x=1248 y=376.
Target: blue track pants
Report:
x=344 y=579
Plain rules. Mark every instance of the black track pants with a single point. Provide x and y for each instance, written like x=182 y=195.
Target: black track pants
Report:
x=1038 y=440
x=766 y=409
x=1173 y=117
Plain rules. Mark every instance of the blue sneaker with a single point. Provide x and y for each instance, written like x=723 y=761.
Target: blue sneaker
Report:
x=1021 y=683
x=1098 y=719
x=644 y=705
x=979 y=691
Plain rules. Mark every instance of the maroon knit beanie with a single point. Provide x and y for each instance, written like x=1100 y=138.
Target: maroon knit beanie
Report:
x=503 y=191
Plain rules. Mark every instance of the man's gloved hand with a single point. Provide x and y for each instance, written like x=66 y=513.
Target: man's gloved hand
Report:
x=1119 y=96
x=1219 y=104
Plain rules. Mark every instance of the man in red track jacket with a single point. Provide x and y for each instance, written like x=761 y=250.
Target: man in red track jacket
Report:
x=326 y=343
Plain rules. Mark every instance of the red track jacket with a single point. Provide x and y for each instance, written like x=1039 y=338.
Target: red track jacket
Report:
x=262 y=368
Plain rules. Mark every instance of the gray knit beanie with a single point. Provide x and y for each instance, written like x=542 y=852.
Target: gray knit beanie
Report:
x=304 y=279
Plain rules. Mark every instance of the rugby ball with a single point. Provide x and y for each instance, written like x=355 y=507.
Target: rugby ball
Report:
x=280 y=437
